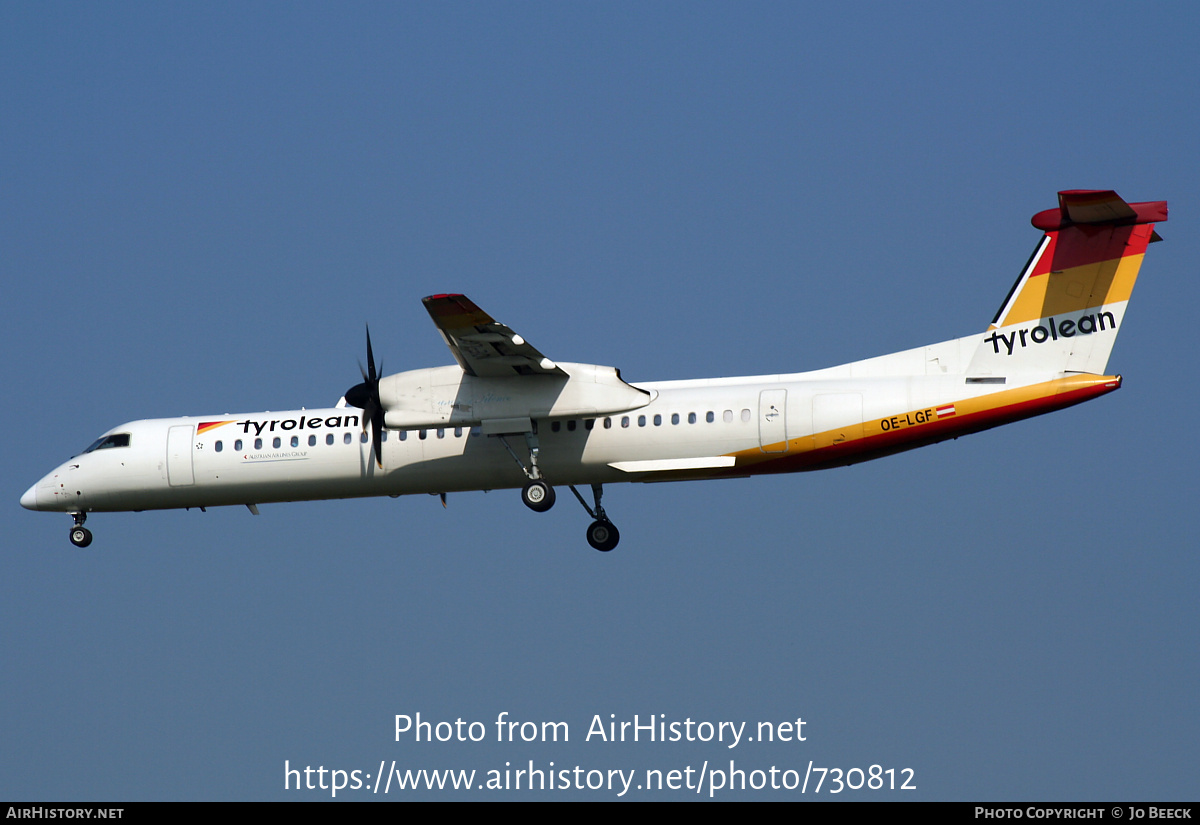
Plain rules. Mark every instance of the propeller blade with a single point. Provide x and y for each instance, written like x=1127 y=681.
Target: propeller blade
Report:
x=377 y=435
x=365 y=396
x=371 y=374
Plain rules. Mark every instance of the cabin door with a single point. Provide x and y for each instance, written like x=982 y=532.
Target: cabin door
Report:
x=179 y=456
x=772 y=421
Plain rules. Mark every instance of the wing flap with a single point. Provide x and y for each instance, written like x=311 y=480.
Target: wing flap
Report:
x=674 y=464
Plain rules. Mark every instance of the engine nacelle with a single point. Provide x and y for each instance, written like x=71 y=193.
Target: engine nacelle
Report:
x=447 y=396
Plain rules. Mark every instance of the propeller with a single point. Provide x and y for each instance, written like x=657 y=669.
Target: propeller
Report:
x=365 y=396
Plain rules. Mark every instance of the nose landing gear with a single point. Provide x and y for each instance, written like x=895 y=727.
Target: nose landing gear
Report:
x=80 y=535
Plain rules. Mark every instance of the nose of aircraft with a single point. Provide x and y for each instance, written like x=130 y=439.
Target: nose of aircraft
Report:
x=29 y=499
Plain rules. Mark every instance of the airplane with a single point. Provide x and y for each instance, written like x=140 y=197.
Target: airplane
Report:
x=506 y=416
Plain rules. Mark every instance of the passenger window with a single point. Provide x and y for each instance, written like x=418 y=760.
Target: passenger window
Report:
x=404 y=435
x=727 y=416
x=346 y=438
x=441 y=433
x=641 y=421
x=421 y=435
x=608 y=423
x=258 y=443
x=237 y=445
x=674 y=418
x=329 y=439
x=658 y=421
x=275 y=442
x=458 y=432
x=624 y=421
x=709 y=417
x=745 y=415
x=591 y=422
x=555 y=426
x=295 y=441
x=218 y=446
x=362 y=439
x=571 y=425
x=312 y=441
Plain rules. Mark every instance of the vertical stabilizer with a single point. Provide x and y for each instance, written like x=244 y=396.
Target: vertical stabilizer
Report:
x=1065 y=310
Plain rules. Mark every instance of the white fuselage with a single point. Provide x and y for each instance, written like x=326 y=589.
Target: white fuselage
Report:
x=509 y=416
x=708 y=428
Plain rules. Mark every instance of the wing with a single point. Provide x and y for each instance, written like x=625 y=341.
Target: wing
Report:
x=481 y=346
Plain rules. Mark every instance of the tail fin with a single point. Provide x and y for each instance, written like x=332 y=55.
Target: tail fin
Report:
x=1065 y=310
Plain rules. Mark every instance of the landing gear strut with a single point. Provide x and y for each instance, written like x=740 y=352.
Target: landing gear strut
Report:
x=537 y=494
x=602 y=534
x=80 y=535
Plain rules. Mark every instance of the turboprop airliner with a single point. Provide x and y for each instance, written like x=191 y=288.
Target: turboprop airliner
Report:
x=507 y=416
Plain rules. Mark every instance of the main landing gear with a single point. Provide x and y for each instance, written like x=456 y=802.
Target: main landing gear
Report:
x=80 y=535
x=602 y=534
x=539 y=496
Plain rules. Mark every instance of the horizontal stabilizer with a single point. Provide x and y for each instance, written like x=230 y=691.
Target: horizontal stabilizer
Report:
x=1098 y=208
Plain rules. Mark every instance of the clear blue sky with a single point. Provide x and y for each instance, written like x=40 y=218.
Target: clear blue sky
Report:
x=200 y=206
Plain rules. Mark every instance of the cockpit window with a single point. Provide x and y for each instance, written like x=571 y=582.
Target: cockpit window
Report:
x=109 y=441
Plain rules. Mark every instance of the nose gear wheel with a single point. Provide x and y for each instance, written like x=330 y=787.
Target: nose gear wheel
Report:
x=80 y=535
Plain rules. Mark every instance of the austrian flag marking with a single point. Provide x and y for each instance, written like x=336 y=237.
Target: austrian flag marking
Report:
x=944 y=411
